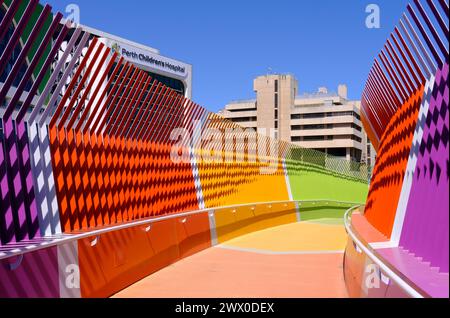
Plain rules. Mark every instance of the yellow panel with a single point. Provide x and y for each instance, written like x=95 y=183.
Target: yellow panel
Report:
x=232 y=223
x=226 y=184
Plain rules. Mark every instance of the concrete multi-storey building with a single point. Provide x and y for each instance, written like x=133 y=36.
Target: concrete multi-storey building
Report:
x=323 y=121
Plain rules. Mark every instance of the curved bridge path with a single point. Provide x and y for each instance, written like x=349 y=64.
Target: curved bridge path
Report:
x=297 y=260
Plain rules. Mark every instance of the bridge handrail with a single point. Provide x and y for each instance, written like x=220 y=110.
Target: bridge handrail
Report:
x=394 y=274
x=51 y=241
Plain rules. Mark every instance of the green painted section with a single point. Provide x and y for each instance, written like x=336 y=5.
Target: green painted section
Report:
x=321 y=211
x=328 y=221
x=325 y=213
x=311 y=185
x=315 y=176
x=39 y=38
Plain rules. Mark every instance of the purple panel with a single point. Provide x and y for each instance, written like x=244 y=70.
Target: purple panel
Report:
x=15 y=187
x=426 y=228
x=420 y=273
x=18 y=175
x=6 y=215
x=27 y=181
x=33 y=276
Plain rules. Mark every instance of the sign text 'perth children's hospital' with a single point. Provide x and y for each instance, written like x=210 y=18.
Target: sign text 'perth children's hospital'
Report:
x=151 y=60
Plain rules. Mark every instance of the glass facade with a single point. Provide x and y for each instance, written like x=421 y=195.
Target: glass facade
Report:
x=173 y=83
x=15 y=54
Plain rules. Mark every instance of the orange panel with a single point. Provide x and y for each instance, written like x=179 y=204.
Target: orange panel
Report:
x=389 y=171
x=121 y=258
x=193 y=234
x=92 y=278
x=372 y=135
x=163 y=241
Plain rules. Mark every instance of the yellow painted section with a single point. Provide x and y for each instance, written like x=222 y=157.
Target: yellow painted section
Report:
x=233 y=173
x=235 y=222
x=314 y=237
x=225 y=184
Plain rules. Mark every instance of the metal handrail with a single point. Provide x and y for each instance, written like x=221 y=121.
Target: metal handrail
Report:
x=395 y=275
x=68 y=238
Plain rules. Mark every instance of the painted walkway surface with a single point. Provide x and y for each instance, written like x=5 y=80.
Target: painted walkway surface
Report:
x=296 y=260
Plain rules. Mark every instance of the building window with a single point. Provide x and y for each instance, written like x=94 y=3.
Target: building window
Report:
x=337 y=152
x=276 y=86
x=276 y=114
x=276 y=101
x=242 y=110
x=276 y=124
x=173 y=83
x=307 y=127
x=358 y=128
x=243 y=119
x=313 y=115
x=339 y=114
x=313 y=138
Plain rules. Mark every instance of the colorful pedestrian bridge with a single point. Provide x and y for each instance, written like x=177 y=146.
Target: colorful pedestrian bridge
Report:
x=99 y=197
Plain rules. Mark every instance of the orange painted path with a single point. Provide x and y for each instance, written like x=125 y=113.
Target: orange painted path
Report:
x=287 y=261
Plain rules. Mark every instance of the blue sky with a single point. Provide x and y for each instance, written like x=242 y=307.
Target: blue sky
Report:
x=230 y=42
